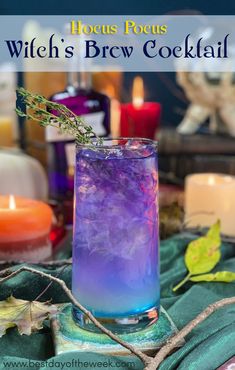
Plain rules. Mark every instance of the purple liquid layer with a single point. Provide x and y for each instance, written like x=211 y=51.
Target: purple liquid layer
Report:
x=115 y=251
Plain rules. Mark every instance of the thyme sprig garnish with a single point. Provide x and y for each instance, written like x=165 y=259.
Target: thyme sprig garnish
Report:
x=48 y=113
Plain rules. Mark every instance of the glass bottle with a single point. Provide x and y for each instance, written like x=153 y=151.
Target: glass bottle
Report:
x=94 y=107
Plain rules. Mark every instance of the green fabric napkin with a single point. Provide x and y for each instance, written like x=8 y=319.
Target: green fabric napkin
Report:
x=206 y=348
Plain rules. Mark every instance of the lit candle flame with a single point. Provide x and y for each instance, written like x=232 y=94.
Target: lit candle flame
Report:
x=211 y=180
x=138 y=92
x=12 y=203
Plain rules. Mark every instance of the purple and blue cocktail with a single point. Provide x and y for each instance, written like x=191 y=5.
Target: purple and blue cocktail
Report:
x=115 y=247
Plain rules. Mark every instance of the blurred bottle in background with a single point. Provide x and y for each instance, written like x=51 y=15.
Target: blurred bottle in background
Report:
x=8 y=127
x=94 y=107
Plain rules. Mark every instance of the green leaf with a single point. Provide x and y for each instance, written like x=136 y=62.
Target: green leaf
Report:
x=203 y=254
x=222 y=276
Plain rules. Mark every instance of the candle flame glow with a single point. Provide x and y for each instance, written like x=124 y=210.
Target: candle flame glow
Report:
x=110 y=91
x=12 y=203
x=211 y=180
x=138 y=92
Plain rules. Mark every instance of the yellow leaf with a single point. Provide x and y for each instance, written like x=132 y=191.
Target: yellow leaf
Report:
x=220 y=276
x=27 y=316
x=203 y=254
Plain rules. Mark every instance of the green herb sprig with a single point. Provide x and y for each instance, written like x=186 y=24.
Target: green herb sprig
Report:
x=48 y=113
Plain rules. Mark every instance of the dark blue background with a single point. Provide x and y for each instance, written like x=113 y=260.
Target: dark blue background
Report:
x=159 y=87
x=132 y=7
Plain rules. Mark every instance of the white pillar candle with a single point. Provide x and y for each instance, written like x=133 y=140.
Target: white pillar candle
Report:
x=209 y=197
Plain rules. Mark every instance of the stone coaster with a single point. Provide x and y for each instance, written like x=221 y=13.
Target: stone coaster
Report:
x=70 y=337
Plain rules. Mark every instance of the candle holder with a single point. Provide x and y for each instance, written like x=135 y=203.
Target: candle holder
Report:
x=115 y=246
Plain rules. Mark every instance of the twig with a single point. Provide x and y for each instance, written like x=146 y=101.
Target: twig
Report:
x=170 y=345
x=54 y=263
x=149 y=362
x=12 y=263
x=144 y=358
x=67 y=261
x=51 y=282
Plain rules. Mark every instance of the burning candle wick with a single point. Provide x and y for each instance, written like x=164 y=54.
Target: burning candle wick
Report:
x=12 y=203
x=211 y=180
x=138 y=92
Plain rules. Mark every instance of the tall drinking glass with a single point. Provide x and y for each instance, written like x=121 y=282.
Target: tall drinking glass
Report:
x=115 y=245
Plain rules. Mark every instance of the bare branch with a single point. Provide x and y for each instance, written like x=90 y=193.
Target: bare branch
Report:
x=51 y=282
x=171 y=344
x=149 y=362
x=144 y=358
x=8 y=264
